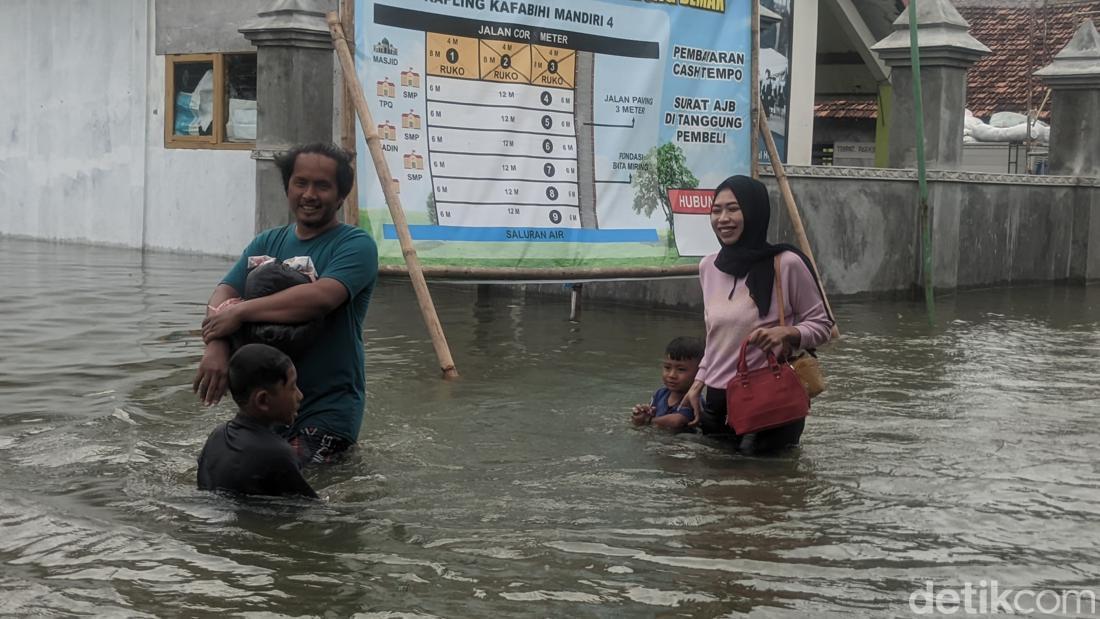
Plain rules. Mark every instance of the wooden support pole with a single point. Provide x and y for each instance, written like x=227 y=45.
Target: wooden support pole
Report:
x=788 y=201
x=347 y=116
x=756 y=110
x=393 y=202
x=575 y=302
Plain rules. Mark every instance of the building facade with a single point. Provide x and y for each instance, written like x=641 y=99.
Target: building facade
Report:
x=129 y=122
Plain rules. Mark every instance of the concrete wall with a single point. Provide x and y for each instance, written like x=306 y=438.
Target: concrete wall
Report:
x=72 y=131
x=81 y=137
x=989 y=229
x=831 y=130
x=992 y=158
x=203 y=26
x=1007 y=233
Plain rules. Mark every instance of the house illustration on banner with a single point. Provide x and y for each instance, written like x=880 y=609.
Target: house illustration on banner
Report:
x=691 y=221
x=387 y=131
x=386 y=88
x=410 y=78
x=414 y=161
x=396 y=186
x=410 y=120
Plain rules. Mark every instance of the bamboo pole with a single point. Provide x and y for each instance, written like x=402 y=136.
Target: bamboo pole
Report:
x=393 y=202
x=924 y=209
x=347 y=116
x=754 y=91
x=1042 y=105
x=575 y=302
x=792 y=208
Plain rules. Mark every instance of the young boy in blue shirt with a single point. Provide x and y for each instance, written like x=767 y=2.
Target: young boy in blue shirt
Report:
x=245 y=455
x=669 y=409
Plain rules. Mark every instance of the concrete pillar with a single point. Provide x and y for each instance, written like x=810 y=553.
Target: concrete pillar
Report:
x=1074 y=78
x=803 y=71
x=294 y=92
x=946 y=52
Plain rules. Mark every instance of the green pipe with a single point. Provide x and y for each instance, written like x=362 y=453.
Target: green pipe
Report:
x=924 y=211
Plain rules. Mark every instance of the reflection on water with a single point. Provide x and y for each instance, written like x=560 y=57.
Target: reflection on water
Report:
x=955 y=453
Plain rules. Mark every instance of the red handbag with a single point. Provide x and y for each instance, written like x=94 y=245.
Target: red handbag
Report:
x=766 y=398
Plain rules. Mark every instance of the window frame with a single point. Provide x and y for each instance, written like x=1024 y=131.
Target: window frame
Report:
x=217 y=139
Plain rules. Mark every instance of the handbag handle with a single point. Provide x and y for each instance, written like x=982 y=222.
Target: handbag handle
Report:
x=743 y=365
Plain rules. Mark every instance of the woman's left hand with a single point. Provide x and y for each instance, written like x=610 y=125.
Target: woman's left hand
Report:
x=784 y=338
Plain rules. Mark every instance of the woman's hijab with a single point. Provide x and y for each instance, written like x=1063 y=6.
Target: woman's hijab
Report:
x=752 y=255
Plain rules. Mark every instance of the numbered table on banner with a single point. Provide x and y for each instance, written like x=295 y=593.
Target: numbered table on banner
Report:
x=502 y=140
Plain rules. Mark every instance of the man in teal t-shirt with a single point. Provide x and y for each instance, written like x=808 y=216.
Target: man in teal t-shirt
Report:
x=317 y=178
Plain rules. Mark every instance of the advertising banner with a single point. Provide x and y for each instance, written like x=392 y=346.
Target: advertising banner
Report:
x=547 y=133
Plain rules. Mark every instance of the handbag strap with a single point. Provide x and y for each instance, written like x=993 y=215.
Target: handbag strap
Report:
x=779 y=292
x=742 y=364
x=779 y=300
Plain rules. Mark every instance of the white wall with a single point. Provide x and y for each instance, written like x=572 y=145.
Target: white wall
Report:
x=991 y=158
x=803 y=62
x=81 y=137
x=72 y=95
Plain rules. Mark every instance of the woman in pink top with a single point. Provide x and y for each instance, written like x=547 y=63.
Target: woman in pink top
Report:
x=739 y=304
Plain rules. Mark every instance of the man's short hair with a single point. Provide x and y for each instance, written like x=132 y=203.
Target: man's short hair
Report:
x=256 y=366
x=685 y=349
x=345 y=174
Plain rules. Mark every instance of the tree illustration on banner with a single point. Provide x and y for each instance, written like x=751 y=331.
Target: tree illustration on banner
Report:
x=663 y=168
x=433 y=214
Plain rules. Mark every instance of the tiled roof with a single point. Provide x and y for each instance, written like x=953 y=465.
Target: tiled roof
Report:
x=1021 y=42
x=850 y=106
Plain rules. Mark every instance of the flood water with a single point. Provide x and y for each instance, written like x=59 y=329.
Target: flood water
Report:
x=964 y=452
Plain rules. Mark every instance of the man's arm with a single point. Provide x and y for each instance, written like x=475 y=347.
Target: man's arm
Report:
x=212 y=377
x=295 y=305
x=222 y=293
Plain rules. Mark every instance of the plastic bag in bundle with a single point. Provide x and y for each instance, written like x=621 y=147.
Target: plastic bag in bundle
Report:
x=186 y=122
x=241 y=126
x=1015 y=133
x=292 y=339
x=194 y=111
x=1004 y=120
x=203 y=101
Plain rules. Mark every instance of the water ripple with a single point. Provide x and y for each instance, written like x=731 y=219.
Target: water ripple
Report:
x=963 y=451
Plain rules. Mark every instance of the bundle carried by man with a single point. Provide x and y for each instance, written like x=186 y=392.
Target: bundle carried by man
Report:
x=266 y=276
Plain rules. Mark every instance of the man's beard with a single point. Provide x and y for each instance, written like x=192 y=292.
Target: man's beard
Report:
x=328 y=218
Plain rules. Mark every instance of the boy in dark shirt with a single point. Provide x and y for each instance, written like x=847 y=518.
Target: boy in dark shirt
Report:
x=668 y=408
x=245 y=455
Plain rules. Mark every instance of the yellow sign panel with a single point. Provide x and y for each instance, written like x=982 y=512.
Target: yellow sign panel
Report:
x=452 y=56
x=505 y=61
x=553 y=66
